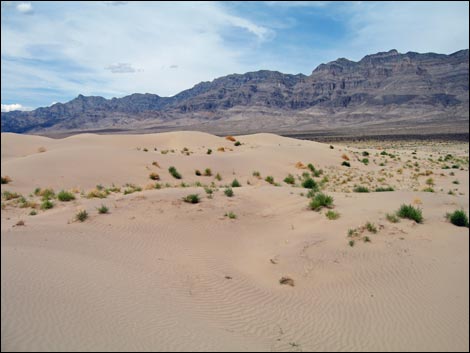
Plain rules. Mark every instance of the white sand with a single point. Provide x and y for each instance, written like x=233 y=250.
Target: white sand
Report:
x=150 y=275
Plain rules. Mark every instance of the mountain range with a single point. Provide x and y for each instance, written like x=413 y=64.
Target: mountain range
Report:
x=387 y=91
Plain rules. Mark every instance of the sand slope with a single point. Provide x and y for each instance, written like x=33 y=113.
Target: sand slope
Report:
x=157 y=273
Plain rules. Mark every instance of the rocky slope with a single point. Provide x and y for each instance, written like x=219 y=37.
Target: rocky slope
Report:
x=382 y=91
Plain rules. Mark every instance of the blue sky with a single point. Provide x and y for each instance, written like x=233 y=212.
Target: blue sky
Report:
x=53 y=51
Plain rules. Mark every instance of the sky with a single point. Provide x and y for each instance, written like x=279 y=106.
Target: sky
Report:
x=53 y=51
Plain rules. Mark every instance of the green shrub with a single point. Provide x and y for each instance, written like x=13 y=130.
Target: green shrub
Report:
x=321 y=200
x=46 y=194
x=231 y=215
x=208 y=172
x=228 y=192
x=361 y=189
x=410 y=212
x=371 y=227
x=8 y=195
x=332 y=215
x=458 y=218
x=235 y=183
x=47 y=204
x=311 y=167
x=346 y=164
x=209 y=151
x=351 y=243
x=218 y=177
x=238 y=143
x=366 y=239
x=384 y=189
x=65 y=196
x=256 y=174
x=428 y=189
x=269 y=179
x=365 y=161
x=309 y=183
x=33 y=213
x=198 y=172
x=81 y=215
x=193 y=198
x=103 y=209
x=174 y=172
x=365 y=153
x=289 y=179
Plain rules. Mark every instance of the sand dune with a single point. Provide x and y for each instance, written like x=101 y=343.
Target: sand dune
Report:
x=157 y=273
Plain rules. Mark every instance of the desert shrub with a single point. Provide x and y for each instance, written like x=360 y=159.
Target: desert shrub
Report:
x=345 y=157
x=346 y=164
x=365 y=153
x=311 y=167
x=235 y=183
x=430 y=182
x=365 y=161
x=371 y=227
x=458 y=218
x=228 y=192
x=332 y=215
x=428 y=189
x=197 y=172
x=332 y=147
x=208 y=172
x=410 y=212
x=192 y=198
x=47 y=204
x=384 y=153
x=456 y=182
x=46 y=194
x=8 y=195
x=6 y=179
x=392 y=218
x=154 y=176
x=289 y=179
x=42 y=149
x=321 y=200
x=351 y=243
x=230 y=215
x=209 y=151
x=238 y=143
x=174 y=172
x=99 y=194
x=309 y=183
x=361 y=189
x=33 y=213
x=269 y=179
x=256 y=174
x=317 y=172
x=230 y=138
x=81 y=216
x=384 y=189
x=208 y=191
x=366 y=239
x=145 y=149
x=218 y=177
x=103 y=209
x=65 y=196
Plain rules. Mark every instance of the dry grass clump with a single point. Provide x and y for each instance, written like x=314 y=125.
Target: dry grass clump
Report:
x=230 y=138
x=221 y=149
x=345 y=157
x=96 y=193
x=155 y=163
x=6 y=179
x=154 y=176
x=300 y=165
x=287 y=281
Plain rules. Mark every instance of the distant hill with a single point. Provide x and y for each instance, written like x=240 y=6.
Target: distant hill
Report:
x=383 y=91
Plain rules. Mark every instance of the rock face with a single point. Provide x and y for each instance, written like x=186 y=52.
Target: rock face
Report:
x=383 y=90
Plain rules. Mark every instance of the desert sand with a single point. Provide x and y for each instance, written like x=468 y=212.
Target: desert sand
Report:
x=157 y=273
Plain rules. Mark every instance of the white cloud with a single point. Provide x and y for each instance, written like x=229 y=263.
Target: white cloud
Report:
x=115 y=3
x=12 y=107
x=120 y=68
x=25 y=7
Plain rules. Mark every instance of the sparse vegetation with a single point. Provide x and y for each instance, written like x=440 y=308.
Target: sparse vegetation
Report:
x=81 y=216
x=384 y=189
x=410 y=212
x=351 y=243
x=103 y=209
x=96 y=193
x=309 y=183
x=174 y=172
x=235 y=183
x=361 y=189
x=65 y=196
x=209 y=151
x=257 y=174
x=231 y=215
x=47 y=204
x=208 y=172
x=238 y=143
x=458 y=218
x=197 y=172
x=269 y=179
x=346 y=164
x=192 y=198
x=8 y=195
x=218 y=177
x=371 y=227
x=332 y=215
x=289 y=179
x=228 y=192
x=321 y=200
x=392 y=218
x=33 y=213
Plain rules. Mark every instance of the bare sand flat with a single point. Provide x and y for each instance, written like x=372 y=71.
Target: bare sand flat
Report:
x=157 y=273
